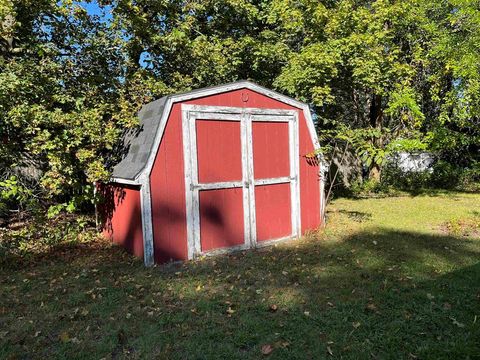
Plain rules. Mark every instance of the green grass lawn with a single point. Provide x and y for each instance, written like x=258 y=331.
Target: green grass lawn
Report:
x=390 y=278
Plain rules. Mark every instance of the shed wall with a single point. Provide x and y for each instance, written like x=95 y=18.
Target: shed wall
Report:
x=121 y=216
x=167 y=188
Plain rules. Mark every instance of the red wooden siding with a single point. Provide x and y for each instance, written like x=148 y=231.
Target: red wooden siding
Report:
x=309 y=181
x=273 y=211
x=219 y=151
x=167 y=187
x=271 y=159
x=221 y=218
x=121 y=215
x=270 y=149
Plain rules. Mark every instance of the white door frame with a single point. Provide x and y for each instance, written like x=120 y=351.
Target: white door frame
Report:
x=246 y=116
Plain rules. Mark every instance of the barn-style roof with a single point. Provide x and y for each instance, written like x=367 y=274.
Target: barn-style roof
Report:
x=138 y=144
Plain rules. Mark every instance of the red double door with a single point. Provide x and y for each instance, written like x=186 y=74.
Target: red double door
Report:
x=241 y=176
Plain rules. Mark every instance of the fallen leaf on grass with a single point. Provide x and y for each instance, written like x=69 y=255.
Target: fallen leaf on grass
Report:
x=455 y=322
x=329 y=351
x=371 y=307
x=267 y=349
x=273 y=308
x=230 y=311
x=64 y=337
x=356 y=325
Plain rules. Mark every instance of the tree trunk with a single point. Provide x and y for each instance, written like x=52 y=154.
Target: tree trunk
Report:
x=375 y=172
x=376 y=121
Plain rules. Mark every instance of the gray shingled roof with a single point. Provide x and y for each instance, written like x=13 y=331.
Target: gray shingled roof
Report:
x=138 y=143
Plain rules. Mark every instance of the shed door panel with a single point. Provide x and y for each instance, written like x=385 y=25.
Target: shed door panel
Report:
x=272 y=179
x=219 y=151
x=273 y=211
x=270 y=149
x=219 y=182
x=221 y=218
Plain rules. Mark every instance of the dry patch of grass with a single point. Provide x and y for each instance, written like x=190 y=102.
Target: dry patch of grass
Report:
x=466 y=227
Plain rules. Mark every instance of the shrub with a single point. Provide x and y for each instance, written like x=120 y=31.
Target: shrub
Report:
x=443 y=175
x=394 y=177
x=23 y=239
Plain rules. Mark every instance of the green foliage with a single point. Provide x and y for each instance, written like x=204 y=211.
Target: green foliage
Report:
x=448 y=175
x=412 y=181
x=26 y=239
x=367 y=188
x=10 y=190
x=395 y=74
x=63 y=100
x=443 y=175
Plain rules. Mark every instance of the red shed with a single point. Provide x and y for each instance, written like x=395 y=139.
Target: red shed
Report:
x=215 y=170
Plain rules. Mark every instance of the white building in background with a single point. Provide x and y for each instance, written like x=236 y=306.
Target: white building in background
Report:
x=413 y=162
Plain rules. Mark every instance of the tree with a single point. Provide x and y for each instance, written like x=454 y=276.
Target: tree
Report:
x=189 y=44
x=394 y=72
x=63 y=102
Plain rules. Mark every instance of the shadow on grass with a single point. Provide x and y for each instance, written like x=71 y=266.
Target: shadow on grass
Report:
x=378 y=294
x=357 y=216
x=439 y=192
x=62 y=254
